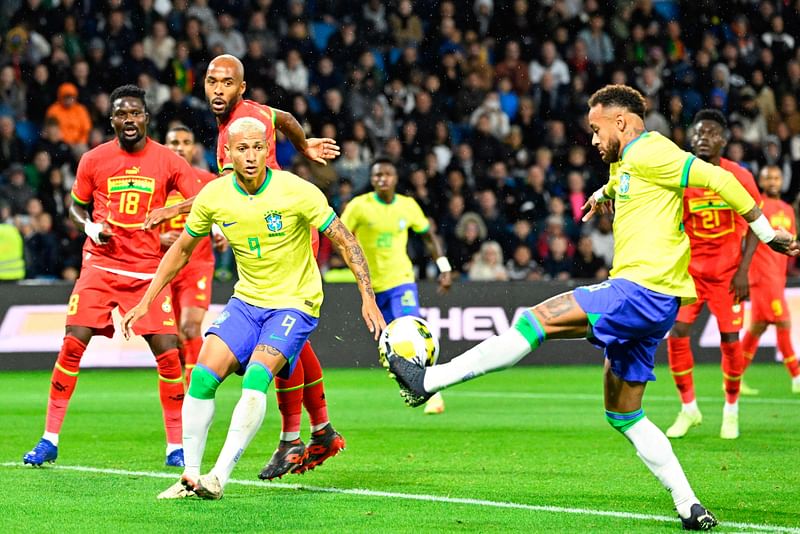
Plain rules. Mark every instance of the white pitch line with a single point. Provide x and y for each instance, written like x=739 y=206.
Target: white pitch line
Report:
x=598 y=397
x=422 y=497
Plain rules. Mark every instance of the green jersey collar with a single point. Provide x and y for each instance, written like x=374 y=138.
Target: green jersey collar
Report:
x=261 y=189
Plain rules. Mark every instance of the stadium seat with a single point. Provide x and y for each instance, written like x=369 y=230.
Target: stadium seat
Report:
x=28 y=133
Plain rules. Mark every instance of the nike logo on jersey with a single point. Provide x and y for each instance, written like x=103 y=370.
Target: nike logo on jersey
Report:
x=277 y=338
x=225 y=225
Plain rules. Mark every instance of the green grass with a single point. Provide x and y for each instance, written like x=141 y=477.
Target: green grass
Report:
x=534 y=436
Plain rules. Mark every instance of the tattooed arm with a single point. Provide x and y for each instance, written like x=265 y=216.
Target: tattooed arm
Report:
x=354 y=257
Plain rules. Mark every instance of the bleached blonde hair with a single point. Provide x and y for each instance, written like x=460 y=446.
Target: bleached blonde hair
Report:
x=243 y=124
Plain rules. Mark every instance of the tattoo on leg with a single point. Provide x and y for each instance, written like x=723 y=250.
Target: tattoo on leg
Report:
x=556 y=306
x=272 y=351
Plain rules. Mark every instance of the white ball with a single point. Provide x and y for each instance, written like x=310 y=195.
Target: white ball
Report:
x=411 y=338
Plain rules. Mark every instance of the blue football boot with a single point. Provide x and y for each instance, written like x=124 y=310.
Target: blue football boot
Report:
x=44 y=451
x=175 y=458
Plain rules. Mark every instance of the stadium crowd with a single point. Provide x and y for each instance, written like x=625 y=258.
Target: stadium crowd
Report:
x=481 y=105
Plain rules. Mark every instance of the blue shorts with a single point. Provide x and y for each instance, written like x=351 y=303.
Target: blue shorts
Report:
x=628 y=321
x=242 y=326
x=398 y=302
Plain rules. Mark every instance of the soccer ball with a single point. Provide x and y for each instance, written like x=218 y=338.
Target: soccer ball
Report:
x=411 y=338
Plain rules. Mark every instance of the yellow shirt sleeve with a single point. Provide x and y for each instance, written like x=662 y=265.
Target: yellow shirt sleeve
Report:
x=199 y=220
x=708 y=176
x=317 y=211
x=418 y=221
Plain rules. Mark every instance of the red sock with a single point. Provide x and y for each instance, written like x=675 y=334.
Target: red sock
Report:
x=749 y=348
x=290 y=398
x=170 y=390
x=681 y=364
x=63 y=381
x=786 y=348
x=314 y=392
x=732 y=369
x=190 y=351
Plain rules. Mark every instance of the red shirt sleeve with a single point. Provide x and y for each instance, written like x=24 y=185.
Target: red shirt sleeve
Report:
x=183 y=178
x=83 y=187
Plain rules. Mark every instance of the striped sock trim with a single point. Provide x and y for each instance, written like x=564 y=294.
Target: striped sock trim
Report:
x=790 y=359
x=749 y=356
x=284 y=390
x=732 y=378
x=623 y=421
x=209 y=371
x=314 y=383
x=531 y=329
x=170 y=380
x=68 y=373
x=189 y=366
x=682 y=373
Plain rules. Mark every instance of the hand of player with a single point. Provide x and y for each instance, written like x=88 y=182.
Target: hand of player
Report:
x=167 y=239
x=785 y=243
x=220 y=243
x=740 y=286
x=321 y=149
x=133 y=315
x=445 y=281
x=373 y=317
x=594 y=206
x=101 y=233
x=159 y=215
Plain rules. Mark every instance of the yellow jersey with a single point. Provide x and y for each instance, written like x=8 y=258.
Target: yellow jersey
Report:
x=382 y=232
x=647 y=183
x=269 y=233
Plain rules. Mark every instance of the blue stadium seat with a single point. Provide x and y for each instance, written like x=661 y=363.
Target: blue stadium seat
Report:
x=28 y=133
x=321 y=32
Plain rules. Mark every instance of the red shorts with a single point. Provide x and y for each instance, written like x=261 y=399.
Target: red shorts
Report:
x=98 y=292
x=768 y=305
x=720 y=301
x=192 y=286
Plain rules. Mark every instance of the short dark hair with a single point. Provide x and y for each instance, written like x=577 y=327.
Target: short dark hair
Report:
x=713 y=115
x=382 y=160
x=180 y=128
x=622 y=96
x=130 y=90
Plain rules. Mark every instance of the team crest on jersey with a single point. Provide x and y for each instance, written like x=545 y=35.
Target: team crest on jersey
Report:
x=624 y=183
x=403 y=224
x=166 y=306
x=274 y=221
x=201 y=284
x=220 y=319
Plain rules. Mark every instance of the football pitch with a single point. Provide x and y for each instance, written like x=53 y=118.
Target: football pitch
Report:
x=524 y=450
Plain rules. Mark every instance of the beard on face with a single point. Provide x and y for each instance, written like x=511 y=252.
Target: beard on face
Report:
x=128 y=143
x=612 y=154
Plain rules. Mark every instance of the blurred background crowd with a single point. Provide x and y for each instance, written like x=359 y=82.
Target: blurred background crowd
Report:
x=481 y=104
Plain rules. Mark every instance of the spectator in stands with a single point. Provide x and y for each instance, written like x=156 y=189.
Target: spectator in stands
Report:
x=12 y=252
x=513 y=68
x=351 y=167
x=499 y=124
x=599 y=48
x=557 y=265
x=470 y=233
x=38 y=170
x=603 y=239
x=521 y=266
x=11 y=148
x=16 y=191
x=406 y=26
x=753 y=122
x=72 y=116
x=488 y=264
x=585 y=263
x=375 y=22
x=41 y=248
x=12 y=93
x=549 y=61
x=227 y=37
x=291 y=73
x=159 y=46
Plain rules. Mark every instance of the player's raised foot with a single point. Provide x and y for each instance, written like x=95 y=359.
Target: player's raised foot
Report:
x=175 y=459
x=44 y=451
x=700 y=519
x=325 y=442
x=411 y=378
x=208 y=487
x=683 y=423
x=435 y=405
x=182 y=489
x=730 y=426
x=287 y=457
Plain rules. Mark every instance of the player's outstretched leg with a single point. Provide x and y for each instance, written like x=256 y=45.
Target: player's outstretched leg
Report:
x=418 y=383
x=732 y=369
x=62 y=386
x=681 y=365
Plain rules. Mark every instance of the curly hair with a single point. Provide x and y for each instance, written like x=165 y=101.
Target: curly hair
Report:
x=622 y=96
x=128 y=90
x=713 y=115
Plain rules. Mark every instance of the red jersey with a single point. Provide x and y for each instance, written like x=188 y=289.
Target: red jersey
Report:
x=715 y=230
x=203 y=252
x=768 y=267
x=247 y=108
x=123 y=188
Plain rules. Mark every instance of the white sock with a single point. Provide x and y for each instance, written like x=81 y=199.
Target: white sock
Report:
x=172 y=447
x=653 y=447
x=51 y=437
x=731 y=409
x=493 y=354
x=197 y=415
x=290 y=436
x=245 y=422
x=795 y=380
x=319 y=426
x=690 y=406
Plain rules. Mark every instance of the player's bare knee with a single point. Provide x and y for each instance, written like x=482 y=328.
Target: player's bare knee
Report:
x=161 y=343
x=191 y=329
x=680 y=330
